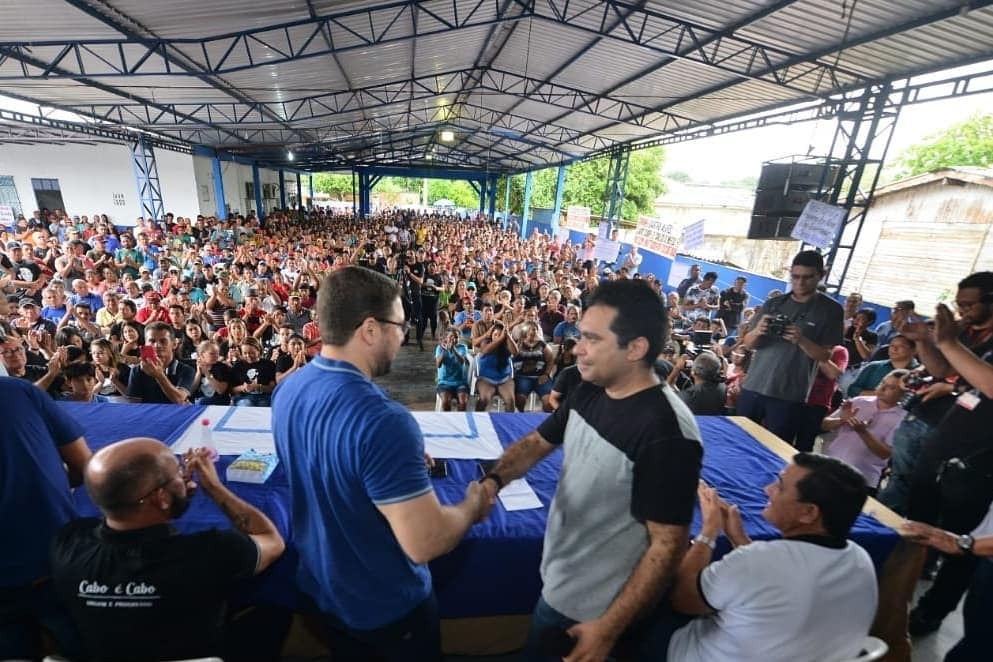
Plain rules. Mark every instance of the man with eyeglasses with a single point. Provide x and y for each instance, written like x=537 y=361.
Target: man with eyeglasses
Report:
x=43 y=454
x=134 y=586
x=365 y=517
x=793 y=334
x=951 y=481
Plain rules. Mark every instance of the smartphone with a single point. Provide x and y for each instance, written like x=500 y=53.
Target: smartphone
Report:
x=147 y=352
x=439 y=470
x=485 y=466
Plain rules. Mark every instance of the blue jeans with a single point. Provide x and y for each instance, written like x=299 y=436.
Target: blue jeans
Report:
x=645 y=640
x=25 y=609
x=907 y=440
x=977 y=614
x=253 y=400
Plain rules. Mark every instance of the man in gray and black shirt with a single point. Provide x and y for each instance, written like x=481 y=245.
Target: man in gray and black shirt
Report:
x=619 y=522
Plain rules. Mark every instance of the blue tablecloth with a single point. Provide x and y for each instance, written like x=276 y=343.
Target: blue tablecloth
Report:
x=494 y=571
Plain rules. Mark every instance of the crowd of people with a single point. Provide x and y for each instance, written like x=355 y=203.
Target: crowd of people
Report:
x=224 y=312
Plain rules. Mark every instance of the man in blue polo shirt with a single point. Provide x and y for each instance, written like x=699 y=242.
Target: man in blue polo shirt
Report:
x=43 y=453
x=365 y=518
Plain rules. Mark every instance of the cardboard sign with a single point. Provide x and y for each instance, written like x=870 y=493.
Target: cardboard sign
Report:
x=819 y=223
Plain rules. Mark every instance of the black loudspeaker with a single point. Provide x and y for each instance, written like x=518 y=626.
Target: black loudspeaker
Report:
x=771 y=227
x=773 y=202
x=783 y=191
x=799 y=176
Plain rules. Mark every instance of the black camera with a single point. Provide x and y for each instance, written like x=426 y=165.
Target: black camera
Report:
x=914 y=382
x=777 y=325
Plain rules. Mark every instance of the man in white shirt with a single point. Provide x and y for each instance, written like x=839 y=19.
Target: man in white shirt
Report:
x=809 y=596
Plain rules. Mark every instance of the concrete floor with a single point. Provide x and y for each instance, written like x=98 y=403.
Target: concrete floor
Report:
x=411 y=378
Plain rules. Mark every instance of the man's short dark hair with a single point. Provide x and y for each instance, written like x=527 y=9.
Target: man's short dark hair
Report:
x=79 y=369
x=160 y=326
x=809 y=259
x=121 y=489
x=129 y=304
x=906 y=304
x=836 y=488
x=350 y=296
x=710 y=275
x=981 y=280
x=640 y=314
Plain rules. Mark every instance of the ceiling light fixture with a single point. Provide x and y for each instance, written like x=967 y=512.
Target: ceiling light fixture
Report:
x=289 y=155
x=447 y=136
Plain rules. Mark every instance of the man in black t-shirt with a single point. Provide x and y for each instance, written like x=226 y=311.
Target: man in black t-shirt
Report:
x=135 y=587
x=733 y=302
x=951 y=482
x=609 y=552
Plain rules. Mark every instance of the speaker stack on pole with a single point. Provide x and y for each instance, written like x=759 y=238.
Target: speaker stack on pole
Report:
x=783 y=191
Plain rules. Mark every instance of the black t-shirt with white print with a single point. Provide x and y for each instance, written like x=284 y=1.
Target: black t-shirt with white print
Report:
x=152 y=593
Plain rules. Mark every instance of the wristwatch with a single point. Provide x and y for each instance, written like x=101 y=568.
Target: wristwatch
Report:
x=706 y=540
x=965 y=542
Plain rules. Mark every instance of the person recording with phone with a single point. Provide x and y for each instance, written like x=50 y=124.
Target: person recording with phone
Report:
x=793 y=334
x=952 y=481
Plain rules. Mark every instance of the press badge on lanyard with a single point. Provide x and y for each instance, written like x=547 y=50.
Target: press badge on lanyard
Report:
x=969 y=400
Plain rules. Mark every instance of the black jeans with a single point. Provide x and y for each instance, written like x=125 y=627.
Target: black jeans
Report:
x=928 y=503
x=416 y=636
x=429 y=316
x=809 y=426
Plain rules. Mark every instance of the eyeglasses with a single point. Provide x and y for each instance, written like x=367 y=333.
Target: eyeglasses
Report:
x=404 y=325
x=158 y=487
x=13 y=350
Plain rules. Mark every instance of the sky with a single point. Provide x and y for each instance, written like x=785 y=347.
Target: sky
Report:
x=738 y=155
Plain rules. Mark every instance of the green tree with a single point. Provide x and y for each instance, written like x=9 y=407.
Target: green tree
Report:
x=967 y=143
x=586 y=185
x=456 y=190
x=338 y=186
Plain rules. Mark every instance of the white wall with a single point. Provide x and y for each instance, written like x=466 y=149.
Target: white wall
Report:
x=235 y=177
x=90 y=176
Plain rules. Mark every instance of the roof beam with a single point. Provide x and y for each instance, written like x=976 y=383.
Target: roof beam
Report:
x=139 y=31
x=355 y=29
x=814 y=57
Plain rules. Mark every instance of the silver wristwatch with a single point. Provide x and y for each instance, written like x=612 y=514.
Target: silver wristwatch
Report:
x=965 y=542
x=706 y=540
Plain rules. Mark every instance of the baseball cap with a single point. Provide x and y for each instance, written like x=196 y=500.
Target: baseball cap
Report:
x=13 y=244
x=27 y=301
x=153 y=296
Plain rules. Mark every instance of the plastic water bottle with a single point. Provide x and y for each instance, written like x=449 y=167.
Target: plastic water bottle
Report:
x=534 y=403
x=207 y=439
x=497 y=405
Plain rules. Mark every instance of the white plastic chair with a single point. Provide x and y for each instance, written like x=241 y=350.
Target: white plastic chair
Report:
x=872 y=649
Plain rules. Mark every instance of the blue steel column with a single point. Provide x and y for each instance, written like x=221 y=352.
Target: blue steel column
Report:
x=282 y=189
x=528 y=180
x=493 y=196
x=506 y=202
x=559 y=188
x=146 y=175
x=483 y=190
x=355 y=198
x=222 y=208
x=299 y=193
x=257 y=179
x=310 y=185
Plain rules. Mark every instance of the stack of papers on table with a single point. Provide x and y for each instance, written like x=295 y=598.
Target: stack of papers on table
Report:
x=518 y=495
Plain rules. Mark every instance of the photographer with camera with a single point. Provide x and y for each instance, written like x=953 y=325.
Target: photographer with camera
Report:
x=708 y=393
x=793 y=334
x=952 y=482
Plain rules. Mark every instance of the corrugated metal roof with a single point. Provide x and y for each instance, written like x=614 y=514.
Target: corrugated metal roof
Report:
x=523 y=83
